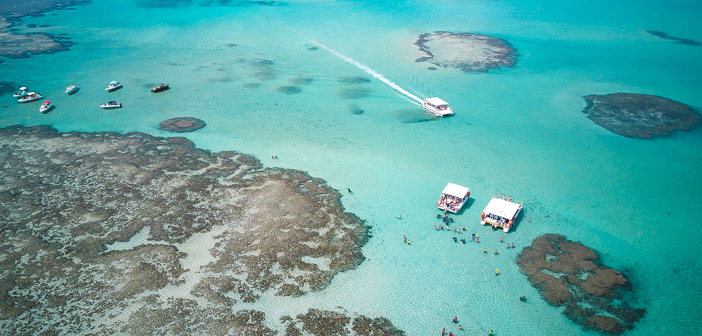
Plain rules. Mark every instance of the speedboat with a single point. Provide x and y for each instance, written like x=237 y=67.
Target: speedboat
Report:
x=46 y=106
x=437 y=107
x=71 y=89
x=111 y=105
x=30 y=97
x=114 y=85
x=160 y=87
x=21 y=93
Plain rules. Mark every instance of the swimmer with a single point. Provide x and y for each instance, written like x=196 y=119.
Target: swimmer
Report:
x=485 y=250
x=455 y=240
x=495 y=251
x=463 y=241
x=3 y=105
x=497 y=272
x=399 y=217
x=455 y=319
x=460 y=327
x=464 y=228
x=512 y=245
x=491 y=332
x=477 y=240
x=438 y=215
x=507 y=245
x=529 y=220
x=502 y=240
x=409 y=242
x=349 y=189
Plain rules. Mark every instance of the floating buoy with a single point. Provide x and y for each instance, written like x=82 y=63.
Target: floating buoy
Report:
x=408 y=242
x=485 y=250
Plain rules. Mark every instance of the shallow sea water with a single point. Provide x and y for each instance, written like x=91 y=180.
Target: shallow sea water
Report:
x=518 y=131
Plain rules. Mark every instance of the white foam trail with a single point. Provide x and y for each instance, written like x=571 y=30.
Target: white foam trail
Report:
x=369 y=71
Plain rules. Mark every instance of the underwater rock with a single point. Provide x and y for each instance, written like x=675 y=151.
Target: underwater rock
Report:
x=354 y=80
x=216 y=230
x=182 y=124
x=569 y=273
x=323 y=322
x=641 y=116
x=289 y=90
x=466 y=51
x=355 y=109
x=302 y=80
x=24 y=45
x=677 y=40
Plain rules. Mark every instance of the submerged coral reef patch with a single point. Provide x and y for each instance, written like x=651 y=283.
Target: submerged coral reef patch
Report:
x=678 y=40
x=323 y=322
x=182 y=124
x=465 y=51
x=107 y=233
x=636 y=115
x=570 y=274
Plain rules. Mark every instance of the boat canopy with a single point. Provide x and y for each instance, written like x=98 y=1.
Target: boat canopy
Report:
x=47 y=102
x=456 y=190
x=436 y=101
x=24 y=88
x=502 y=207
x=114 y=82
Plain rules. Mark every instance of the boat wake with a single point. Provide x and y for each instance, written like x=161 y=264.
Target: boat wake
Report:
x=369 y=71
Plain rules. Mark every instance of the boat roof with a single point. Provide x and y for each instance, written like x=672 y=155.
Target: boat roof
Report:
x=455 y=190
x=436 y=101
x=24 y=88
x=502 y=207
x=114 y=82
x=47 y=101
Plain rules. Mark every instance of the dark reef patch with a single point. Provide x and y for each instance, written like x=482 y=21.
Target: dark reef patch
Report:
x=354 y=80
x=354 y=109
x=302 y=80
x=251 y=85
x=635 y=115
x=290 y=90
x=7 y=87
x=570 y=274
x=677 y=40
x=182 y=124
x=354 y=93
x=263 y=69
x=465 y=51
x=67 y=199
x=204 y=3
x=323 y=322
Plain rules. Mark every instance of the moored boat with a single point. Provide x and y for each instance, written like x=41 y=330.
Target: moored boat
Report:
x=114 y=85
x=160 y=87
x=46 y=106
x=437 y=107
x=501 y=212
x=30 y=97
x=111 y=105
x=453 y=197
x=71 y=89
x=20 y=93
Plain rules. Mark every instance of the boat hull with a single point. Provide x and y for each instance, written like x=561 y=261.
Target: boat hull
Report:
x=29 y=100
x=44 y=109
x=70 y=91
x=438 y=113
x=110 y=107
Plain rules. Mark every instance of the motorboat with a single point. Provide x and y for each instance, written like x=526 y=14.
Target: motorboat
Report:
x=46 y=106
x=30 y=97
x=160 y=87
x=71 y=89
x=21 y=93
x=111 y=105
x=114 y=85
x=437 y=107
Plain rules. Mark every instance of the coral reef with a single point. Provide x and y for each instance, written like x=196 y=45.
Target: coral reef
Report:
x=466 y=51
x=635 y=115
x=323 y=322
x=569 y=273
x=106 y=233
x=677 y=40
x=182 y=124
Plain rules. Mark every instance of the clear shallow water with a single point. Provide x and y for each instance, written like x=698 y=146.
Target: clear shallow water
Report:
x=518 y=131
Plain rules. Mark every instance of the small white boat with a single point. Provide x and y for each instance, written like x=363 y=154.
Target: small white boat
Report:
x=46 y=106
x=71 y=89
x=111 y=105
x=437 y=107
x=30 y=97
x=114 y=85
x=21 y=93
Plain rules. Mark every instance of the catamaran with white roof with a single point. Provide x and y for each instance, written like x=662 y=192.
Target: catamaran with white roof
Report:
x=453 y=197
x=501 y=212
x=437 y=107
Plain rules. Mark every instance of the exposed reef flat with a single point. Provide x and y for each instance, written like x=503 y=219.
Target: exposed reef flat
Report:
x=14 y=45
x=635 y=115
x=569 y=273
x=323 y=322
x=466 y=51
x=18 y=9
x=677 y=40
x=107 y=233
x=182 y=124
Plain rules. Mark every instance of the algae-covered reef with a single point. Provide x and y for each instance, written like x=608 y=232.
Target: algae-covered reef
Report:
x=133 y=234
x=570 y=274
x=468 y=52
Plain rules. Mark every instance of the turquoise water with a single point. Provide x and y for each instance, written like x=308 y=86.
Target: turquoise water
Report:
x=518 y=131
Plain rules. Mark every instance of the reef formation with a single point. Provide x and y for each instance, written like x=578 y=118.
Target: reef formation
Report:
x=107 y=233
x=570 y=274
x=323 y=322
x=636 y=115
x=678 y=40
x=465 y=51
x=182 y=124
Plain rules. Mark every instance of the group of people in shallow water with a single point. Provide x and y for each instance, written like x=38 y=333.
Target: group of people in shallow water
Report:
x=460 y=327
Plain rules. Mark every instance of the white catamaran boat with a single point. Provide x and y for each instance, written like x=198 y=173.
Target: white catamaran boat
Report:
x=30 y=97
x=114 y=85
x=46 y=106
x=111 y=105
x=501 y=212
x=437 y=107
x=453 y=197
